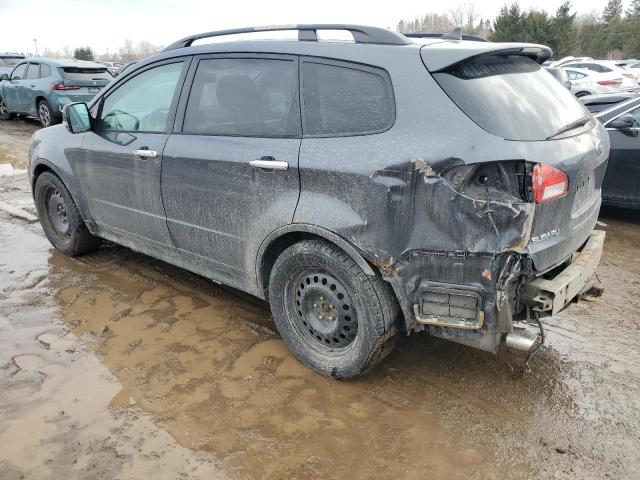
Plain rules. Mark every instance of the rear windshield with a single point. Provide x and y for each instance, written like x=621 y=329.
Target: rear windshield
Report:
x=77 y=73
x=10 y=61
x=511 y=96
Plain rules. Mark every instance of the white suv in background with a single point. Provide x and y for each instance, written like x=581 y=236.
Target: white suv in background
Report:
x=587 y=82
x=607 y=66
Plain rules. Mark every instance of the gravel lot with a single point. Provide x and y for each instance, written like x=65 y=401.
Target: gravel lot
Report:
x=116 y=365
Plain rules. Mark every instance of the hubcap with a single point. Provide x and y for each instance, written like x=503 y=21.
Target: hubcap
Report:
x=325 y=312
x=58 y=213
x=45 y=116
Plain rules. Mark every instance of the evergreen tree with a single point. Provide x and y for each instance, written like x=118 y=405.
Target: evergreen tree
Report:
x=564 y=31
x=613 y=11
x=508 y=25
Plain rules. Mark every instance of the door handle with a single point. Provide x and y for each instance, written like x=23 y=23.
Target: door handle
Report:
x=145 y=153
x=269 y=163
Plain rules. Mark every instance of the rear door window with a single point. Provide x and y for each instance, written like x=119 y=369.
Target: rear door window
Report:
x=510 y=96
x=33 y=71
x=45 y=70
x=78 y=73
x=341 y=98
x=255 y=97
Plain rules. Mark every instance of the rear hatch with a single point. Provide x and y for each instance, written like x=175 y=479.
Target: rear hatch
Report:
x=81 y=84
x=508 y=94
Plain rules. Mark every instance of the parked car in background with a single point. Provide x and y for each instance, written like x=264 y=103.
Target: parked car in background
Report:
x=587 y=82
x=369 y=188
x=112 y=67
x=561 y=75
x=8 y=61
x=125 y=67
x=598 y=103
x=621 y=186
x=634 y=67
x=607 y=66
x=41 y=87
x=566 y=60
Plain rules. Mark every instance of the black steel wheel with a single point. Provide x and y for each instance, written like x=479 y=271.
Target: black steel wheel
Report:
x=4 y=111
x=60 y=218
x=333 y=316
x=325 y=309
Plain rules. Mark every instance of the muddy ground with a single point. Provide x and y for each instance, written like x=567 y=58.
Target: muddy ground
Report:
x=119 y=366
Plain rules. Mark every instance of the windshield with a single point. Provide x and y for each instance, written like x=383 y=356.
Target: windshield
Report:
x=511 y=96
x=10 y=61
x=76 y=73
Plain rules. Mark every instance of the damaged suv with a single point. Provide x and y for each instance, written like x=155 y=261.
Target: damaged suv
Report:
x=368 y=188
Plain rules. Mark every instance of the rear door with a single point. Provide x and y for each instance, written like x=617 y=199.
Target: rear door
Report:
x=28 y=88
x=622 y=180
x=230 y=170
x=124 y=154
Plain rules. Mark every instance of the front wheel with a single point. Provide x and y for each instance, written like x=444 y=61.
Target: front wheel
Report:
x=334 y=317
x=4 y=111
x=582 y=94
x=61 y=221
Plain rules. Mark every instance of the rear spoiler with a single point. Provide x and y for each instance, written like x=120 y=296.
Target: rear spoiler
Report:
x=440 y=55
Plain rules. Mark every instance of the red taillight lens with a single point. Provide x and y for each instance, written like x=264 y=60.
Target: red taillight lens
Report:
x=62 y=86
x=549 y=183
x=617 y=81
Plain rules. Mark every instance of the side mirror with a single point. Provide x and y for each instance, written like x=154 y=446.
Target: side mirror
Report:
x=567 y=84
x=622 y=122
x=4 y=76
x=76 y=118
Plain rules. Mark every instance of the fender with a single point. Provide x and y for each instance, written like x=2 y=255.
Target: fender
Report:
x=348 y=247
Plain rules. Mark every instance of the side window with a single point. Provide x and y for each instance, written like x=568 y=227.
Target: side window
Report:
x=142 y=103
x=33 y=71
x=45 y=70
x=245 y=97
x=345 y=99
x=19 y=72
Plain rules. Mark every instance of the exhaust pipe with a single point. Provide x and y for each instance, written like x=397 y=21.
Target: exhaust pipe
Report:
x=521 y=339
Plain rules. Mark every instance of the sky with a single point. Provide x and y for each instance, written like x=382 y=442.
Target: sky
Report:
x=104 y=24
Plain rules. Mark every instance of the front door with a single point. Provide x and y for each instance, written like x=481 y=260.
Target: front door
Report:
x=124 y=158
x=230 y=172
x=622 y=180
x=13 y=98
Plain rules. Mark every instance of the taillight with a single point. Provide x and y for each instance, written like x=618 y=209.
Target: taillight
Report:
x=62 y=86
x=549 y=183
x=617 y=81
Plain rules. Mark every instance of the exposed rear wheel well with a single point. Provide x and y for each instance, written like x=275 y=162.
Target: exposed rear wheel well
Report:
x=273 y=251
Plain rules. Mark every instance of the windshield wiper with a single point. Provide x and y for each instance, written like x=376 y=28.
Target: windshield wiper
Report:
x=570 y=126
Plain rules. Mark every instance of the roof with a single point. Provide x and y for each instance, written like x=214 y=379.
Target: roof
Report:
x=67 y=62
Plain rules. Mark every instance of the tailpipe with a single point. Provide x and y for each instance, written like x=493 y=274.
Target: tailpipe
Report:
x=521 y=339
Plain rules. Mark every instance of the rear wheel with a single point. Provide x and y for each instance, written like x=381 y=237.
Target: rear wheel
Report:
x=60 y=218
x=46 y=114
x=335 y=318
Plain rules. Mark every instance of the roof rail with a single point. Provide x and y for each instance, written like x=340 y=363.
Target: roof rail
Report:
x=462 y=36
x=307 y=32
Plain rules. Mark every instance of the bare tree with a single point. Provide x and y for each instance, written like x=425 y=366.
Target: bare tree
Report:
x=464 y=15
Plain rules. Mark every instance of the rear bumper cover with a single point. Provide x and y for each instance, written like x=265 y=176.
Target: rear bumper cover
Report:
x=550 y=295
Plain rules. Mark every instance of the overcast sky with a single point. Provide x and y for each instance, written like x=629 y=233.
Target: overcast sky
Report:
x=104 y=24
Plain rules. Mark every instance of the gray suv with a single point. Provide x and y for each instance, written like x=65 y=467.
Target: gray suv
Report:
x=367 y=189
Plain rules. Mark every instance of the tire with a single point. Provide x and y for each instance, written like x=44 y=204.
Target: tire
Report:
x=4 y=113
x=46 y=114
x=582 y=94
x=60 y=219
x=345 y=322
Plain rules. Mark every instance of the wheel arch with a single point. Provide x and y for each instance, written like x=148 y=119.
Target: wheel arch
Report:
x=282 y=238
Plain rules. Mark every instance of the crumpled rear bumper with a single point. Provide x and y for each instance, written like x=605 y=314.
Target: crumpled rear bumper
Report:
x=550 y=295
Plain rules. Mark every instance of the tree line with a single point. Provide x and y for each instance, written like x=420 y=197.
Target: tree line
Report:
x=614 y=32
